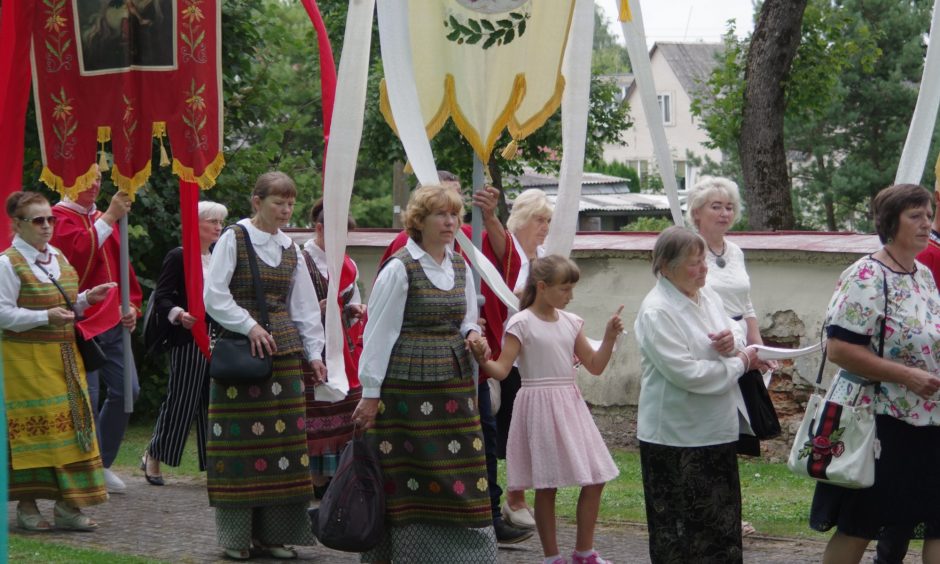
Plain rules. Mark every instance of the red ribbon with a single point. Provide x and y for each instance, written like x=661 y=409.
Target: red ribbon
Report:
x=192 y=262
x=327 y=72
x=16 y=24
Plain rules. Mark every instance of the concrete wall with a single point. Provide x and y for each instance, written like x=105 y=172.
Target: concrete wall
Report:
x=790 y=291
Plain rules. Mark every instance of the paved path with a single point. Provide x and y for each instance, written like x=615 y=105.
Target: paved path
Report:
x=175 y=524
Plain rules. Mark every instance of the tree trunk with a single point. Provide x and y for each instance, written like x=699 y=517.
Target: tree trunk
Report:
x=763 y=156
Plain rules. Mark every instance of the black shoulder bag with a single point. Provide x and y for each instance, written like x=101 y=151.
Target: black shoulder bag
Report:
x=232 y=361
x=92 y=356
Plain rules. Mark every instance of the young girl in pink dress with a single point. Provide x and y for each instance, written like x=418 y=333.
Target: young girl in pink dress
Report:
x=553 y=441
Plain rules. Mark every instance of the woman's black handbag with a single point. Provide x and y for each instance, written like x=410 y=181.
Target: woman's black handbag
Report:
x=351 y=516
x=92 y=356
x=232 y=361
x=760 y=408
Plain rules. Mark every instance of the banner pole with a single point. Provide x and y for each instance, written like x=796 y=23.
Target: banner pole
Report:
x=125 y=307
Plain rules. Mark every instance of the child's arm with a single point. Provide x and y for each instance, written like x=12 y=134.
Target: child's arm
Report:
x=596 y=361
x=499 y=368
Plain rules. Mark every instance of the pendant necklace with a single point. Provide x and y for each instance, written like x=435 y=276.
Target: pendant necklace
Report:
x=719 y=257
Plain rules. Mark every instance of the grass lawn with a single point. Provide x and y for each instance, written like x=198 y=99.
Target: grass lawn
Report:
x=775 y=501
x=30 y=549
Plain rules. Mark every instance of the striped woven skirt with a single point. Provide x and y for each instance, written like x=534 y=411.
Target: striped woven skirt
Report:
x=429 y=443
x=256 y=453
x=329 y=428
x=80 y=483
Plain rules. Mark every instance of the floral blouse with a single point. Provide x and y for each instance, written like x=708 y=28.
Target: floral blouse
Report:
x=912 y=330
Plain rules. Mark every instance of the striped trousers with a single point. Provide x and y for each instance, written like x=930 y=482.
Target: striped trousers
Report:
x=187 y=398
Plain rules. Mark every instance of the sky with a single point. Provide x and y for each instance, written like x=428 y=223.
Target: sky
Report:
x=687 y=20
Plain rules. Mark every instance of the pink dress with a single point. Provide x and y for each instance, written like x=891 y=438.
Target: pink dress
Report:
x=553 y=441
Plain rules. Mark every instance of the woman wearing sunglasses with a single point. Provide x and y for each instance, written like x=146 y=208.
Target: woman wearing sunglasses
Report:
x=51 y=439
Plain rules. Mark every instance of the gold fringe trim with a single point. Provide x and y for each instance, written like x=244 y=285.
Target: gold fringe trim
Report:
x=408 y=169
x=103 y=160
x=130 y=184
x=209 y=176
x=82 y=182
x=104 y=133
x=625 y=14
x=506 y=120
x=159 y=128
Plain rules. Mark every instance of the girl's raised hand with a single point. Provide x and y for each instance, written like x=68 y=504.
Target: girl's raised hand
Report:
x=479 y=348
x=614 y=325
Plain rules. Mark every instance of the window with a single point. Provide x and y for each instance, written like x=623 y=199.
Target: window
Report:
x=665 y=107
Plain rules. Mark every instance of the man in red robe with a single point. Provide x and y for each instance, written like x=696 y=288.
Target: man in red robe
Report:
x=91 y=243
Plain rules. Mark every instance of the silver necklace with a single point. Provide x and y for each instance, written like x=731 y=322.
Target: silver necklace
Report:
x=719 y=257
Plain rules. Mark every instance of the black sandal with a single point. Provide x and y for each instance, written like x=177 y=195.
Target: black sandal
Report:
x=152 y=480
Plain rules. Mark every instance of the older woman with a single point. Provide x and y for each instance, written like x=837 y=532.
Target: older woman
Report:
x=187 y=391
x=692 y=355
x=418 y=394
x=51 y=428
x=512 y=250
x=258 y=466
x=906 y=493
x=329 y=423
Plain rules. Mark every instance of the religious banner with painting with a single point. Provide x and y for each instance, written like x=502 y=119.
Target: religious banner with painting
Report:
x=488 y=64
x=124 y=71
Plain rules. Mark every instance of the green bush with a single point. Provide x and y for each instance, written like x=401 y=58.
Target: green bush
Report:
x=647 y=224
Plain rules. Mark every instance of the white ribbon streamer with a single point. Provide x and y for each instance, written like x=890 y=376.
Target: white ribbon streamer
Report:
x=574 y=114
x=776 y=353
x=346 y=132
x=639 y=58
x=914 y=155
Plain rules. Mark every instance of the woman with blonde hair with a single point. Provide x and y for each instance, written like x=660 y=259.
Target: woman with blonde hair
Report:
x=419 y=397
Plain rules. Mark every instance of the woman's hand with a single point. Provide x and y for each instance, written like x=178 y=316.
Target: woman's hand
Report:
x=922 y=383
x=318 y=375
x=99 y=292
x=748 y=355
x=187 y=320
x=723 y=342
x=261 y=341
x=365 y=413
x=129 y=319
x=477 y=346
x=59 y=316
x=355 y=311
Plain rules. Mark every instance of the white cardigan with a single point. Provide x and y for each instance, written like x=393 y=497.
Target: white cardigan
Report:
x=687 y=394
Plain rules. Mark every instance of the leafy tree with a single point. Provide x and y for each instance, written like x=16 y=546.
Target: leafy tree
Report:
x=849 y=99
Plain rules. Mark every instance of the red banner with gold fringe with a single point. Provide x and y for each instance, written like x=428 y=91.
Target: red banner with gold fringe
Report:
x=124 y=71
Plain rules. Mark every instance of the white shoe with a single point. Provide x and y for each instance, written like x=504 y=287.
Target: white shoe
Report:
x=519 y=518
x=114 y=484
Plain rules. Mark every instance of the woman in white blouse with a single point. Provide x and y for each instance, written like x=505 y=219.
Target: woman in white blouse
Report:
x=258 y=466
x=419 y=395
x=51 y=429
x=692 y=355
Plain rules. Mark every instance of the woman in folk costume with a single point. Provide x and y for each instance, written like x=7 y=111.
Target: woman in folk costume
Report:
x=258 y=466
x=419 y=395
x=51 y=429
x=329 y=424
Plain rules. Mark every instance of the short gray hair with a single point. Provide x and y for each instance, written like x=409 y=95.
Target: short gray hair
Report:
x=708 y=187
x=528 y=204
x=212 y=210
x=673 y=246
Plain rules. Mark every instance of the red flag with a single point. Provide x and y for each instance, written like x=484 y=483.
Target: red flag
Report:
x=327 y=72
x=124 y=72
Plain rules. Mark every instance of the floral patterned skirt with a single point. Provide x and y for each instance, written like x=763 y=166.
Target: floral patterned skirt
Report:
x=256 y=452
x=693 y=503
x=906 y=494
x=428 y=440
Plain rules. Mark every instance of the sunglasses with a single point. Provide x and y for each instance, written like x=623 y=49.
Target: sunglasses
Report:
x=40 y=220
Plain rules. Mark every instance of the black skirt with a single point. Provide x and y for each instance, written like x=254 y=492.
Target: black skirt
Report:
x=906 y=493
x=693 y=503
